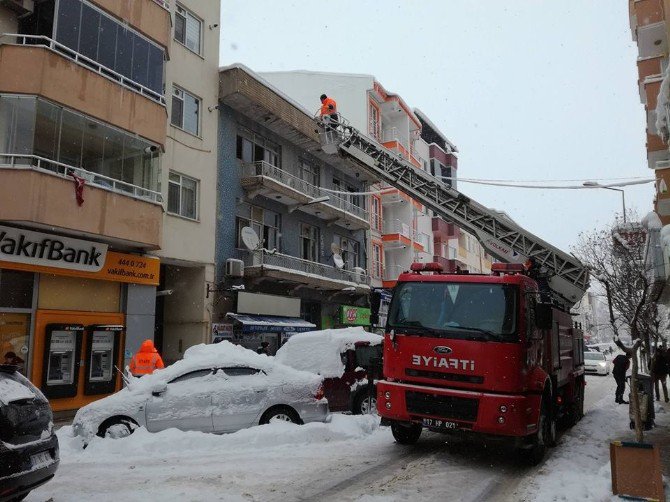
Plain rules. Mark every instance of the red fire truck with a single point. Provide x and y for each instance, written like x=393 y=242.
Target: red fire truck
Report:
x=480 y=354
x=491 y=354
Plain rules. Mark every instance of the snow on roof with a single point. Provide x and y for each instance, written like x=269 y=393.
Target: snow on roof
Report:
x=320 y=351
x=267 y=84
x=328 y=73
x=425 y=118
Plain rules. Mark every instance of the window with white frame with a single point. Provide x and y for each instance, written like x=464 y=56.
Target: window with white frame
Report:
x=377 y=263
x=185 y=111
x=309 y=242
x=188 y=29
x=310 y=172
x=183 y=196
x=252 y=147
x=266 y=224
x=348 y=250
x=374 y=126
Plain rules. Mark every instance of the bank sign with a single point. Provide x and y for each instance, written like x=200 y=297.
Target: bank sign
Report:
x=357 y=316
x=36 y=248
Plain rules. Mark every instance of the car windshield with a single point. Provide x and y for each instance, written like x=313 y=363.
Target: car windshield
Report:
x=455 y=310
x=594 y=356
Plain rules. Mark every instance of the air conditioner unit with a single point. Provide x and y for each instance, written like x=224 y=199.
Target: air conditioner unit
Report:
x=234 y=268
x=359 y=274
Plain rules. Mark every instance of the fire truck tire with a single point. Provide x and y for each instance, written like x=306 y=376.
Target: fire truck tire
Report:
x=542 y=438
x=577 y=411
x=406 y=434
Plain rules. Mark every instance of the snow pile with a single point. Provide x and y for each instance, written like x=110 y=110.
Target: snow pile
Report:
x=651 y=221
x=173 y=442
x=320 y=351
x=661 y=103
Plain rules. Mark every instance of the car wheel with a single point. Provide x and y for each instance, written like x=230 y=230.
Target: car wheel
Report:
x=365 y=404
x=280 y=414
x=406 y=434
x=117 y=428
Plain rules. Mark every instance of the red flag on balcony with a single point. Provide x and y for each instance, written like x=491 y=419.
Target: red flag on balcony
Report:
x=79 y=183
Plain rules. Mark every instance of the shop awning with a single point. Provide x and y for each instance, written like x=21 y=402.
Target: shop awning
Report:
x=246 y=323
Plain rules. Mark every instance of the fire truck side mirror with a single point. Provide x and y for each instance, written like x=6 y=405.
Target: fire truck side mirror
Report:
x=543 y=316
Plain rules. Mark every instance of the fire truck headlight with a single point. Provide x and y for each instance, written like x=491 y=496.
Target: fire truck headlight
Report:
x=501 y=420
x=387 y=395
x=388 y=406
x=503 y=408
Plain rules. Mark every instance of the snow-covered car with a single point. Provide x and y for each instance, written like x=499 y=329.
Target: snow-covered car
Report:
x=214 y=388
x=596 y=362
x=29 y=453
x=333 y=354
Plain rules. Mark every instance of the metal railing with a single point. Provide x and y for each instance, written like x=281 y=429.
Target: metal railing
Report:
x=37 y=163
x=163 y=4
x=396 y=226
x=81 y=60
x=273 y=259
x=262 y=168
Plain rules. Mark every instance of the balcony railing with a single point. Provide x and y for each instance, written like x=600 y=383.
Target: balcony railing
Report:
x=292 y=263
x=263 y=168
x=80 y=59
x=397 y=227
x=34 y=162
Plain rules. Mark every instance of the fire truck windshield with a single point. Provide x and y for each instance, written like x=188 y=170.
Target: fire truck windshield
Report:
x=455 y=310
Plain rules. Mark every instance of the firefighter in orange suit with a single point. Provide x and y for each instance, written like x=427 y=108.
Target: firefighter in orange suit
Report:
x=146 y=360
x=328 y=111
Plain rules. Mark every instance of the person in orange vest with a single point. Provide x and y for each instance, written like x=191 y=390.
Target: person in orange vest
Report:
x=146 y=360
x=328 y=111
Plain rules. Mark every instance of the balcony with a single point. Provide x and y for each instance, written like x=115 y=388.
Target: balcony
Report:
x=392 y=140
x=39 y=66
x=40 y=192
x=396 y=234
x=262 y=178
x=262 y=263
x=149 y=17
x=443 y=230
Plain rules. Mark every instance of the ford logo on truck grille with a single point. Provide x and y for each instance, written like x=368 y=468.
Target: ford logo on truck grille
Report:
x=441 y=349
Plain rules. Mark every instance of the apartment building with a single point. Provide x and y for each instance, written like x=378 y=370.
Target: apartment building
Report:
x=188 y=179
x=291 y=248
x=402 y=230
x=82 y=129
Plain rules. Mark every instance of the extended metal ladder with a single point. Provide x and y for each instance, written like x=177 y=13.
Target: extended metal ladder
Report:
x=567 y=277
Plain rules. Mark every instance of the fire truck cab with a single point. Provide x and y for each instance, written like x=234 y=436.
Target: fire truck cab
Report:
x=482 y=354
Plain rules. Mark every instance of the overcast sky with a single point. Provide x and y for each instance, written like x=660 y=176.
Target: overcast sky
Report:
x=526 y=89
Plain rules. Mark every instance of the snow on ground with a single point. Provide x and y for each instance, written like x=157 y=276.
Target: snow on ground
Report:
x=579 y=467
x=253 y=464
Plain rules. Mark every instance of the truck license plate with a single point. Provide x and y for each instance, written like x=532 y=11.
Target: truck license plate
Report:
x=434 y=423
x=41 y=459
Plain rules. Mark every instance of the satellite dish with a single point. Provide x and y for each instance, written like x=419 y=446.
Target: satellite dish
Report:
x=339 y=262
x=249 y=238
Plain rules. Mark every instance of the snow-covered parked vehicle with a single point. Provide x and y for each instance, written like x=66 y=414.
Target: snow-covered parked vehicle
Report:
x=29 y=454
x=332 y=354
x=214 y=388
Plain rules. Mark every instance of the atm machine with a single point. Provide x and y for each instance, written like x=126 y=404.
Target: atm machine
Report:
x=102 y=357
x=61 y=356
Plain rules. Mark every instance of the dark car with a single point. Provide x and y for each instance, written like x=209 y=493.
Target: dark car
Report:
x=343 y=358
x=28 y=446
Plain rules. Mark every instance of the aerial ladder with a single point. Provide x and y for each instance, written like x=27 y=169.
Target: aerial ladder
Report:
x=565 y=276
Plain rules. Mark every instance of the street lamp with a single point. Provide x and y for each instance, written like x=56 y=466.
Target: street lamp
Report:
x=595 y=184
x=316 y=200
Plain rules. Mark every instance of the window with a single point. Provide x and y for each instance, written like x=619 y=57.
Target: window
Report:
x=376 y=213
x=191 y=375
x=240 y=371
x=348 y=250
x=374 y=125
x=182 y=196
x=309 y=242
x=16 y=290
x=252 y=147
x=310 y=173
x=187 y=29
x=185 y=111
x=377 y=263
x=89 y=31
x=266 y=224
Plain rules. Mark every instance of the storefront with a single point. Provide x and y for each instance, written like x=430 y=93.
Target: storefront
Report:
x=350 y=315
x=68 y=308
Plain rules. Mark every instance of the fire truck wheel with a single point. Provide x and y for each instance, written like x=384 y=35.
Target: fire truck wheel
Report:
x=406 y=434
x=541 y=439
x=577 y=411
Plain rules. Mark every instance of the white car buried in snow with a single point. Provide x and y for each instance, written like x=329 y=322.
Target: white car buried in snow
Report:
x=214 y=388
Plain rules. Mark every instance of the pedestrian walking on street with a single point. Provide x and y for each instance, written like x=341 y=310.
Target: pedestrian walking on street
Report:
x=621 y=363
x=659 y=372
x=264 y=348
x=146 y=360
